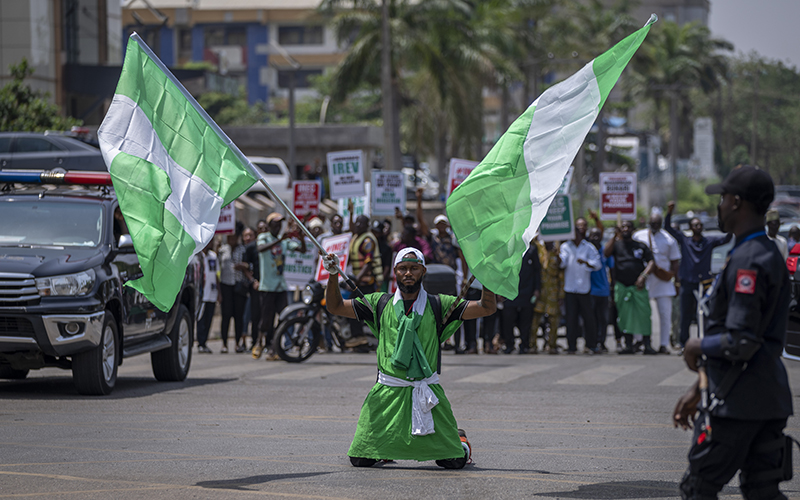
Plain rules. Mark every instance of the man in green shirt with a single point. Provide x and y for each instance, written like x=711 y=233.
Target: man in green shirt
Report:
x=272 y=248
x=406 y=415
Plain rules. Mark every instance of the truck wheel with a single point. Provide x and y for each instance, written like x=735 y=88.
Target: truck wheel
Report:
x=12 y=374
x=94 y=372
x=172 y=364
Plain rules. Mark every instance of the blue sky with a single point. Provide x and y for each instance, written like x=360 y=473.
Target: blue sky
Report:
x=770 y=27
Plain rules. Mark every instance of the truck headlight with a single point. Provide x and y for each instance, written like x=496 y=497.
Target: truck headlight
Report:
x=69 y=285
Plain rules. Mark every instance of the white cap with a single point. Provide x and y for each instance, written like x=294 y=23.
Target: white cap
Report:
x=403 y=255
x=440 y=218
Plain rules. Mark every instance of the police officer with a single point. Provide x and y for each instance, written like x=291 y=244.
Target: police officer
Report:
x=750 y=398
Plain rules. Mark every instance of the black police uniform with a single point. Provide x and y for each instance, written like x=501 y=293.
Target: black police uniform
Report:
x=749 y=308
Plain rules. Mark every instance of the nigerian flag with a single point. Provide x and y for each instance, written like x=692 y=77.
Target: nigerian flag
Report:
x=496 y=211
x=172 y=167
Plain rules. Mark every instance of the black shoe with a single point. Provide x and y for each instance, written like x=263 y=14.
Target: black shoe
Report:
x=649 y=351
x=627 y=350
x=508 y=351
x=362 y=462
x=522 y=350
x=663 y=350
x=637 y=346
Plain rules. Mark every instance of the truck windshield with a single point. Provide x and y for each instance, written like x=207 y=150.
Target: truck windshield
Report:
x=50 y=223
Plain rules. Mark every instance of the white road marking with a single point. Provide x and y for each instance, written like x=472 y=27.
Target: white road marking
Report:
x=307 y=372
x=506 y=374
x=602 y=375
x=683 y=378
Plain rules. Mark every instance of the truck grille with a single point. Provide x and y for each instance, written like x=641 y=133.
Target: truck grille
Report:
x=15 y=327
x=17 y=290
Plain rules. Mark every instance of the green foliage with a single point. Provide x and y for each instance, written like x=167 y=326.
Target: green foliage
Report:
x=203 y=65
x=24 y=109
x=692 y=196
x=761 y=102
x=226 y=109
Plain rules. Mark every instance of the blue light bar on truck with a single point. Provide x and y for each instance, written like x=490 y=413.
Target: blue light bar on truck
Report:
x=71 y=178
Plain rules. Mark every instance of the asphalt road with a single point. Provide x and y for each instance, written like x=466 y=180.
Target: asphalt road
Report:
x=578 y=427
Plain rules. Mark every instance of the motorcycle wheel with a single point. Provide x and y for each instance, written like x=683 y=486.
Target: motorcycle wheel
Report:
x=296 y=339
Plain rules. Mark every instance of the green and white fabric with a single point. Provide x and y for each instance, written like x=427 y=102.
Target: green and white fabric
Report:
x=423 y=401
x=497 y=210
x=172 y=168
x=385 y=424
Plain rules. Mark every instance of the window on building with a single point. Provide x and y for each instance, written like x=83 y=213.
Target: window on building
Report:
x=214 y=37
x=302 y=78
x=184 y=45
x=236 y=36
x=300 y=35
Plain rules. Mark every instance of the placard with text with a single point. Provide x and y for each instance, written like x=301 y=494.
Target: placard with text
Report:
x=388 y=192
x=618 y=195
x=307 y=196
x=346 y=174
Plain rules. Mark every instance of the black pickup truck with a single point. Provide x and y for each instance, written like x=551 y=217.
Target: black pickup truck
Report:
x=64 y=258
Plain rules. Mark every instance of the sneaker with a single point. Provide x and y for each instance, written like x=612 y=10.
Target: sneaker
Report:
x=649 y=351
x=271 y=356
x=240 y=349
x=627 y=350
x=664 y=350
x=257 y=349
x=466 y=445
x=224 y=350
x=204 y=350
x=472 y=350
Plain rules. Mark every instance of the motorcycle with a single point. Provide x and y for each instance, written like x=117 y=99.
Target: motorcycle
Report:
x=301 y=326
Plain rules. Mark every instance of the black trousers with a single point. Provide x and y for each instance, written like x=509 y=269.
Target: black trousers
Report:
x=712 y=464
x=255 y=314
x=232 y=308
x=688 y=309
x=468 y=332
x=272 y=303
x=521 y=317
x=600 y=311
x=580 y=304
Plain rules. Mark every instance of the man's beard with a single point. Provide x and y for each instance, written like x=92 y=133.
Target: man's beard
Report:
x=409 y=288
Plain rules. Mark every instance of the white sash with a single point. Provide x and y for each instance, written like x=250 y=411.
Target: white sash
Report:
x=422 y=401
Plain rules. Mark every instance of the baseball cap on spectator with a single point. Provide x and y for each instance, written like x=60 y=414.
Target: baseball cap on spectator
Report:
x=274 y=216
x=315 y=222
x=440 y=218
x=773 y=215
x=749 y=183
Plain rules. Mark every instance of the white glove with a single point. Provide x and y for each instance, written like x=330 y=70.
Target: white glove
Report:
x=331 y=264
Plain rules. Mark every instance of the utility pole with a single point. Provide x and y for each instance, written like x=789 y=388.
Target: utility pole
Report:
x=673 y=142
x=754 y=132
x=292 y=74
x=391 y=132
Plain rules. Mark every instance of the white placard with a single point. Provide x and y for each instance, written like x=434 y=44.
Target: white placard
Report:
x=617 y=195
x=388 y=192
x=360 y=207
x=346 y=174
x=299 y=268
x=338 y=245
x=459 y=170
x=227 y=220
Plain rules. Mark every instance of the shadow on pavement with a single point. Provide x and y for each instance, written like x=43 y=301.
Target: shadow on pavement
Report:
x=239 y=484
x=57 y=388
x=625 y=489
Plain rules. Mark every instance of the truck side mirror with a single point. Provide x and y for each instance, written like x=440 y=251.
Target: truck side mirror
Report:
x=126 y=244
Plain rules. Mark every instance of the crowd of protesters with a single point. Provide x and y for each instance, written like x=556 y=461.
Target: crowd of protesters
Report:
x=580 y=287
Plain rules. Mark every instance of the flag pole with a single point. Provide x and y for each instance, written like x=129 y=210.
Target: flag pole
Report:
x=228 y=142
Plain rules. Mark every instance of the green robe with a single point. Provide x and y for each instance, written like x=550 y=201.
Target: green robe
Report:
x=384 y=426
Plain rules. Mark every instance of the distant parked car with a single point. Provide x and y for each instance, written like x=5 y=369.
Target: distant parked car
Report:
x=277 y=176
x=33 y=151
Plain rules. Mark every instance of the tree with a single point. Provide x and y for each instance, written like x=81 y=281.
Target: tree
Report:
x=25 y=109
x=758 y=117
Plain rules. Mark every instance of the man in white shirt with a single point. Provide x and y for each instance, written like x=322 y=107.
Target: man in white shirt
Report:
x=773 y=224
x=578 y=259
x=660 y=285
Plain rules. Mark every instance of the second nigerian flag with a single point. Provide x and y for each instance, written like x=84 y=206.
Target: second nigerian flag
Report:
x=497 y=210
x=172 y=167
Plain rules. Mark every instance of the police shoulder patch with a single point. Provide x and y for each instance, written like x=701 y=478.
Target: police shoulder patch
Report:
x=745 y=281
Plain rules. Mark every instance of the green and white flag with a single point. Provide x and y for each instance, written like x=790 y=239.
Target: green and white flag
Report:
x=172 y=167
x=496 y=211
